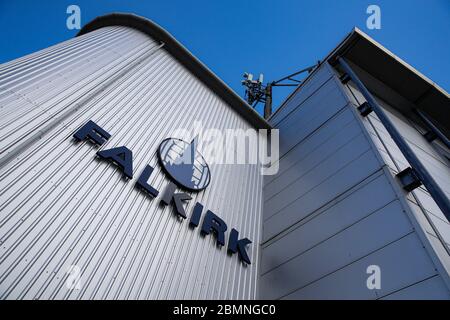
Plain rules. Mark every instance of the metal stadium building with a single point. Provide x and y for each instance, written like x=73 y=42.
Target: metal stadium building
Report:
x=88 y=158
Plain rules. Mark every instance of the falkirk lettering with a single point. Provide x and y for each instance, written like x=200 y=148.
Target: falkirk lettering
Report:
x=123 y=158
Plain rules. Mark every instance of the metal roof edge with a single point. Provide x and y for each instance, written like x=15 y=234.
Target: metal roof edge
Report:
x=399 y=60
x=184 y=56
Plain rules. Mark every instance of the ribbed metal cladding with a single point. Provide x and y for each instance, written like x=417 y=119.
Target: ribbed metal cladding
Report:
x=62 y=206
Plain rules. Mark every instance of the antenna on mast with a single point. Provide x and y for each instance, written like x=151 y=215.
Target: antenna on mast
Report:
x=254 y=88
x=256 y=91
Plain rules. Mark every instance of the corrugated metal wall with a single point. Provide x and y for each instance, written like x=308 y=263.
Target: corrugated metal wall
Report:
x=334 y=209
x=61 y=206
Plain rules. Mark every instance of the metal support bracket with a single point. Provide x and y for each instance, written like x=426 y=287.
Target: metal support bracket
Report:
x=365 y=109
x=430 y=136
x=344 y=78
x=409 y=179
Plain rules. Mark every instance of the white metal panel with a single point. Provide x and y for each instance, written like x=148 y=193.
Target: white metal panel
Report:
x=433 y=211
x=343 y=120
x=324 y=166
x=431 y=225
x=335 y=211
x=62 y=206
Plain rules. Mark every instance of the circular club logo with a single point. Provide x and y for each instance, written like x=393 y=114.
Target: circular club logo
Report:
x=184 y=164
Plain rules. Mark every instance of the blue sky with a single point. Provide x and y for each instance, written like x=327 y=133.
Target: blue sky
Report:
x=234 y=36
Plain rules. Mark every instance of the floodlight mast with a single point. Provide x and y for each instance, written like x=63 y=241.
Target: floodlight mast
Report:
x=256 y=91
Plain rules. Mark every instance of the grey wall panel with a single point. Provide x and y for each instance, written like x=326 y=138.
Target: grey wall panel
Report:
x=340 y=133
x=430 y=224
x=310 y=86
x=430 y=289
x=435 y=163
x=333 y=209
x=62 y=206
x=395 y=261
x=375 y=231
x=310 y=115
x=412 y=132
x=326 y=155
x=59 y=90
x=343 y=120
x=433 y=211
x=321 y=191
x=344 y=212
x=322 y=167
